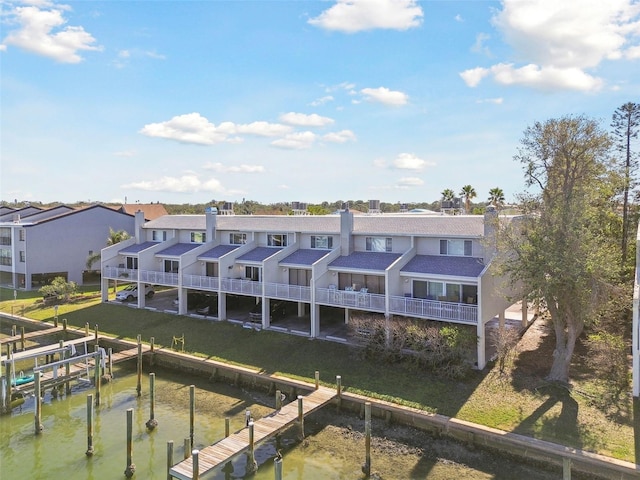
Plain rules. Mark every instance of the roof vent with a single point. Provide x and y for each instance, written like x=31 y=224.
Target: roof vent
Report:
x=374 y=207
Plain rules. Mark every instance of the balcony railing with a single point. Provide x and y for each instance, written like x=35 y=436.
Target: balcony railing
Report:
x=120 y=273
x=434 y=309
x=200 y=281
x=240 y=285
x=288 y=292
x=350 y=298
x=158 y=278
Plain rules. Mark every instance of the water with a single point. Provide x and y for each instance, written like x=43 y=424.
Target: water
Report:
x=329 y=451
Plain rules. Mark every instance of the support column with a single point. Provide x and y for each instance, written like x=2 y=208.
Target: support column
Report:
x=482 y=347
x=315 y=321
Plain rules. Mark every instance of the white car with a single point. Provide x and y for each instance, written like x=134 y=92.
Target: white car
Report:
x=130 y=292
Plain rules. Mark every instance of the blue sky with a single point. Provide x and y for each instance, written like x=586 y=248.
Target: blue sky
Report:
x=395 y=100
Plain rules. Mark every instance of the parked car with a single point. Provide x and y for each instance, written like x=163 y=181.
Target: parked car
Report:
x=277 y=308
x=130 y=292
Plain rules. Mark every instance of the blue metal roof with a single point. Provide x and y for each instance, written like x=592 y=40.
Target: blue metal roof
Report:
x=178 y=249
x=366 y=260
x=217 y=252
x=258 y=254
x=305 y=257
x=137 y=247
x=444 y=265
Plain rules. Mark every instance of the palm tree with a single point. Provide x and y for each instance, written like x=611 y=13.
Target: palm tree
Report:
x=448 y=195
x=113 y=238
x=496 y=197
x=467 y=192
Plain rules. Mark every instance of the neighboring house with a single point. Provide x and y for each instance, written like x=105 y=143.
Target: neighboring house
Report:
x=38 y=244
x=151 y=210
x=434 y=267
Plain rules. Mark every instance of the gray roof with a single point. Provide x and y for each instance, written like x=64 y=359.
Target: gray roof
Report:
x=178 y=249
x=445 y=265
x=398 y=224
x=366 y=260
x=306 y=257
x=258 y=254
x=219 y=251
x=137 y=247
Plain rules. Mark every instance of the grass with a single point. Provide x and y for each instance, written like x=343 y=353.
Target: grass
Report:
x=517 y=401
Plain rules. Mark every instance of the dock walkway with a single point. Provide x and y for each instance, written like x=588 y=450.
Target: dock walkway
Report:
x=223 y=451
x=34 y=334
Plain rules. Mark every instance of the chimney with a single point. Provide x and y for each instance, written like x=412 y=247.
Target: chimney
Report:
x=490 y=229
x=346 y=232
x=211 y=215
x=139 y=222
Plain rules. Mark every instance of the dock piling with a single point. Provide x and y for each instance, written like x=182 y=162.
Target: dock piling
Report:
x=366 y=468
x=131 y=468
x=278 y=399
x=187 y=448
x=139 y=386
x=301 y=417
x=192 y=411
x=196 y=464
x=152 y=422
x=277 y=467
x=97 y=373
x=169 y=459
x=38 y=415
x=226 y=427
x=22 y=345
x=110 y=355
x=317 y=379
x=89 y=451
x=252 y=465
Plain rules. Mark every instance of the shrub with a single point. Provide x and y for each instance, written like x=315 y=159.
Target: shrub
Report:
x=59 y=289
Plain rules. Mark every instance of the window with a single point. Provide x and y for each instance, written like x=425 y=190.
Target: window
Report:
x=378 y=244
x=237 y=238
x=171 y=266
x=252 y=273
x=198 y=237
x=21 y=234
x=22 y=256
x=5 y=257
x=132 y=263
x=321 y=241
x=158 y=235
x=276 y=240
x=456 y=247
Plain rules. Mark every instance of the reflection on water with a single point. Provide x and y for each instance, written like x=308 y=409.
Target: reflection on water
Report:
x=328 y=451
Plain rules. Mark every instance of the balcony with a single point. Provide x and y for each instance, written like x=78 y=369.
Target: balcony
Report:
x=159 y=278
x=120 y=273
x=285 y=291
x=351 y=299
x=201 y=282
x=434 y=309
x=240 y=285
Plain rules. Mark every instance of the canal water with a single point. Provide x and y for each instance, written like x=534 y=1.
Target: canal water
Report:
x=333 y=448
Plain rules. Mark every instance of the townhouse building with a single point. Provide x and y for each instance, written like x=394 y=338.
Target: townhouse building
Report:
x=37 y=245
x=426 y=267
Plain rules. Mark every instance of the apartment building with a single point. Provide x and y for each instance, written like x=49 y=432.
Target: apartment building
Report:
x=432 y=267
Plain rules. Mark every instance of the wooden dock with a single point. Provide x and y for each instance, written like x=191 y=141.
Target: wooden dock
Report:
x=266 y=427
x=34 y=334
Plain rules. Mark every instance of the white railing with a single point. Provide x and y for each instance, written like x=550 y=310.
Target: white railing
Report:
x=434 y=309
x=288 y=292
x=158 y=278
x=240 y=285
x=350 y=298
x=120 y=273
x=200 y=281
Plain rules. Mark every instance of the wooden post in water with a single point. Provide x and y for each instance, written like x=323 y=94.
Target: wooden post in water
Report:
x=195 y=472
x=366 y=468
x=89 y=451
x=86 y=329
x=22 y=347
x=139 y=387
x=192 y=411
x=339 y=390
x=566 y=468
x=317 y=379
x=252 y=465
x=152 y=341
x=169 y=459
x=95 y=333
x=152 y=422
x=247 y=417
x=187 y=448
x=64 y=325
x=131 y=468
x=14 y=332
x=226 y=427
x=277 y=467
x=110 y=355
x=301 y=416
x=67 y=373
x=38 y=415
x=97 y=358
x=278 y=399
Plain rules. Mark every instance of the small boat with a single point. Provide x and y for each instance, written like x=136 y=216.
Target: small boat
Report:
x=22 y=379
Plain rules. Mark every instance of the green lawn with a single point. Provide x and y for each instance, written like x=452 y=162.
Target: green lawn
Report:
x=487 y=398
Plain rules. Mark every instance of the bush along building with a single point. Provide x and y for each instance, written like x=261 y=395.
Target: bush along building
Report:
x=322 y=271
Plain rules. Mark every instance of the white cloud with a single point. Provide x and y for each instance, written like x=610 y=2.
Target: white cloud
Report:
x=342 y=136
x=220 y=168
x=194 y=128
x=385 y=96
x=458 y=18
x=185 y=184
x=408 y=161
x=296 y=141
x=352 y=16
x=322 y=101
x=558 y=41
x=407 y=182
x=496 y=101
x=41 y=32
x=303 y=120
x=479 y=46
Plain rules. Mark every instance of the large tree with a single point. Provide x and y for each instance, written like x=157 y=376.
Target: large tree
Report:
x=496 y=197
x=561 y=252
x=467 y=192
x=626 y=124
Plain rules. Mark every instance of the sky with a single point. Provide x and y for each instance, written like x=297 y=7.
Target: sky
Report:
x=309 y=101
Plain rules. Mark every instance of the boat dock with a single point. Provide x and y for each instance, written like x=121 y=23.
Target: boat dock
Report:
x=30 y=335
x=223 y=451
